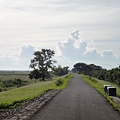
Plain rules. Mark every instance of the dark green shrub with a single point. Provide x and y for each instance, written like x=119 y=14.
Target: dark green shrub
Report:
x=1 y=89
x=8 y=83
x=12 y=83
x=93 y=80
x=59 y=82
x=17 y=82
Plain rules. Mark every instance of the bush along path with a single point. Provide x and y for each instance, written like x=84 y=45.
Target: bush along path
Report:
x=29 y=108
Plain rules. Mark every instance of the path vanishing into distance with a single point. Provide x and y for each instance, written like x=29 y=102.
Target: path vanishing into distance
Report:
x=79 y=101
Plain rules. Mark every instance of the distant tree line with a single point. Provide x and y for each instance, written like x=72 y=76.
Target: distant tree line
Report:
x=92 y=70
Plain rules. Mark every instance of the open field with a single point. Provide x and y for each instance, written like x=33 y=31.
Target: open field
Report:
x=6 y=81
x=14 y=97
x=10 y=72
x=7 y=75
x=98 y=85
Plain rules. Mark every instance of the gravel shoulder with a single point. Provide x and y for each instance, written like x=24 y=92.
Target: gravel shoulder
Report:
x=29 y=108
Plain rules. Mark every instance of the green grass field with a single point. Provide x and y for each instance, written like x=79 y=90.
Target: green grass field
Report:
x=99 y=86
x=14 y=97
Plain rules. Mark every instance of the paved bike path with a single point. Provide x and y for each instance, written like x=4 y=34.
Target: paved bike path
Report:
x=79 y=101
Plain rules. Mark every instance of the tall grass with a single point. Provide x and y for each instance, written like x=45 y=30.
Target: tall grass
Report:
x=64 y=81
x=14 y=97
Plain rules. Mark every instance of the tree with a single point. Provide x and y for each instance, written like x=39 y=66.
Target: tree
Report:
x=43 y=62
x=61 y=70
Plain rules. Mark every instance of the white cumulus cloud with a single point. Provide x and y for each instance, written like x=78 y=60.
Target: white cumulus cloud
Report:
x=75 y=49
x=18 y=62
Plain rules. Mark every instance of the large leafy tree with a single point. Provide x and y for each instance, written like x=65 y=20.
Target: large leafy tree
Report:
x=43 y=62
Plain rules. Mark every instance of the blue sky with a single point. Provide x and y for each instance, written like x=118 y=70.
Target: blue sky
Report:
x=78 y=30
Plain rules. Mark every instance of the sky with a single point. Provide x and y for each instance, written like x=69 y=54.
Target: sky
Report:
x=77 y=30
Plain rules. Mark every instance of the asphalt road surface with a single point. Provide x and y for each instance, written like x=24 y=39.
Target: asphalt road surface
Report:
x=79 y=101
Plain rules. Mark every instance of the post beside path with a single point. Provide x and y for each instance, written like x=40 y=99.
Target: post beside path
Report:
x=110 y=90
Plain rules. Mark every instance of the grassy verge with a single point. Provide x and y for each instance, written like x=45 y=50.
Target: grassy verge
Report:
x=109 y=83
x=14 y=97
x=62 y=83
x=98 y=85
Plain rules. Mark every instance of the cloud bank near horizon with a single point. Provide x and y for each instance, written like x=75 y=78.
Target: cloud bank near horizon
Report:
x=68 y=52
